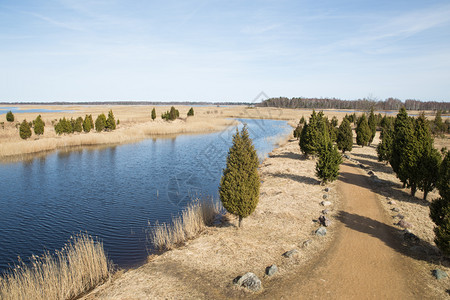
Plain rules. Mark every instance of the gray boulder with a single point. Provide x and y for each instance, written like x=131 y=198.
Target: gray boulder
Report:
x=249 y=281
x=325 y=211
x=439 y=274
x=290 y=253
x=325 y=203
x=392 y=202
x=327 y=189
x=321 y=231
x=271 y=270
x=325 y=196
x=395 y=209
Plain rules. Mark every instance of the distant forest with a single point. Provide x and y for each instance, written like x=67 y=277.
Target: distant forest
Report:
x=363 y=104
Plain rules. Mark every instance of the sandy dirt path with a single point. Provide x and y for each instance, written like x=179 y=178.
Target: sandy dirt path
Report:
x=362 y=263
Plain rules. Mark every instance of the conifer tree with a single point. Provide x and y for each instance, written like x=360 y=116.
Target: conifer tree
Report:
x=313 y=134
x=403 y=130
x=153 y=114
x=372 y=122
x=9 y=116
x=78 y=125
x=298 y=131
x=87 y=124
x=100 y=123
x=39 y=126
x=92 y=121
x=111 y=121
x=438 y=124
x=327 y=167
x=344 y=138
x=440 y=207
x=25 y=130
x=302 y=120
x=384 y=148
x=239 y=185
x=190 y=112
x=363 y=131
x=334 y=121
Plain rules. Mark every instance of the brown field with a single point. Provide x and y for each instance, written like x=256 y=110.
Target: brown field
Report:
x=135 y=124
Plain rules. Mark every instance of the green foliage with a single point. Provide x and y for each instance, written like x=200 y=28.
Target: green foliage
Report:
x=443 y=183
x=63 y=126
x=171 y=115
x=438 y=124
x=440 y=208
x=100 y=123
x=39 y=126
x=25 y=130
x=190 y=112
x=334 y=121
x=327 y=167
x=302 y=120
x=9 y=116
x=239 y=185
x=332 y=130
x=153 y=114
x=344 y=138
x=298 y=131
x=384 y=148
x=111 y=121
x=87 y=123
x=372 y=122
x=363 y=132
x=314 y=134
x=403 y=128
x=78 y=125
x=440 y=214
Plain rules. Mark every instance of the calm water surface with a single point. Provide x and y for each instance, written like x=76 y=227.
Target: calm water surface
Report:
x=113 y=192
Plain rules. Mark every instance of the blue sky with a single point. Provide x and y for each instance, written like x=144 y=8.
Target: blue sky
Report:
x=77 y=50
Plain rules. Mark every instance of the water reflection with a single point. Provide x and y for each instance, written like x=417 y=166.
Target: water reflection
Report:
x=112 y=192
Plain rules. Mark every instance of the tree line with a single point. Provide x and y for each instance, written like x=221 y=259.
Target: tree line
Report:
x=78 y=125
x=360 y=104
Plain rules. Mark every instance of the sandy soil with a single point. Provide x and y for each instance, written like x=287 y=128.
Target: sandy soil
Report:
x=363 y=255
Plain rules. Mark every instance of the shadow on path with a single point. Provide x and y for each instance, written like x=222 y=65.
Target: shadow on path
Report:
x=406 y=244
x=290 y=155
x=298 y=178
x=377 y=187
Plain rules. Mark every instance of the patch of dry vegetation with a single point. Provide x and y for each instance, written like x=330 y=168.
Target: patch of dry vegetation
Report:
x=192 y=221
x=77 y=268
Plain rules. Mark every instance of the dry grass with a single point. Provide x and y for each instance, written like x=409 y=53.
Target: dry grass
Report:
x=192 y=221
x=135 y=124
x=77 y=268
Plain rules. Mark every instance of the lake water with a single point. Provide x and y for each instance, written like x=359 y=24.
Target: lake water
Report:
x=113 y=192
x=17 y=110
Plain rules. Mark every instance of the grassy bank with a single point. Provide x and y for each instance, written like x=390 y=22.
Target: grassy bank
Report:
x=77 y=268
x=193 y=220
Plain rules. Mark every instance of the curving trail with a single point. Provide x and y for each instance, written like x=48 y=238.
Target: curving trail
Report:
x=363 y=262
